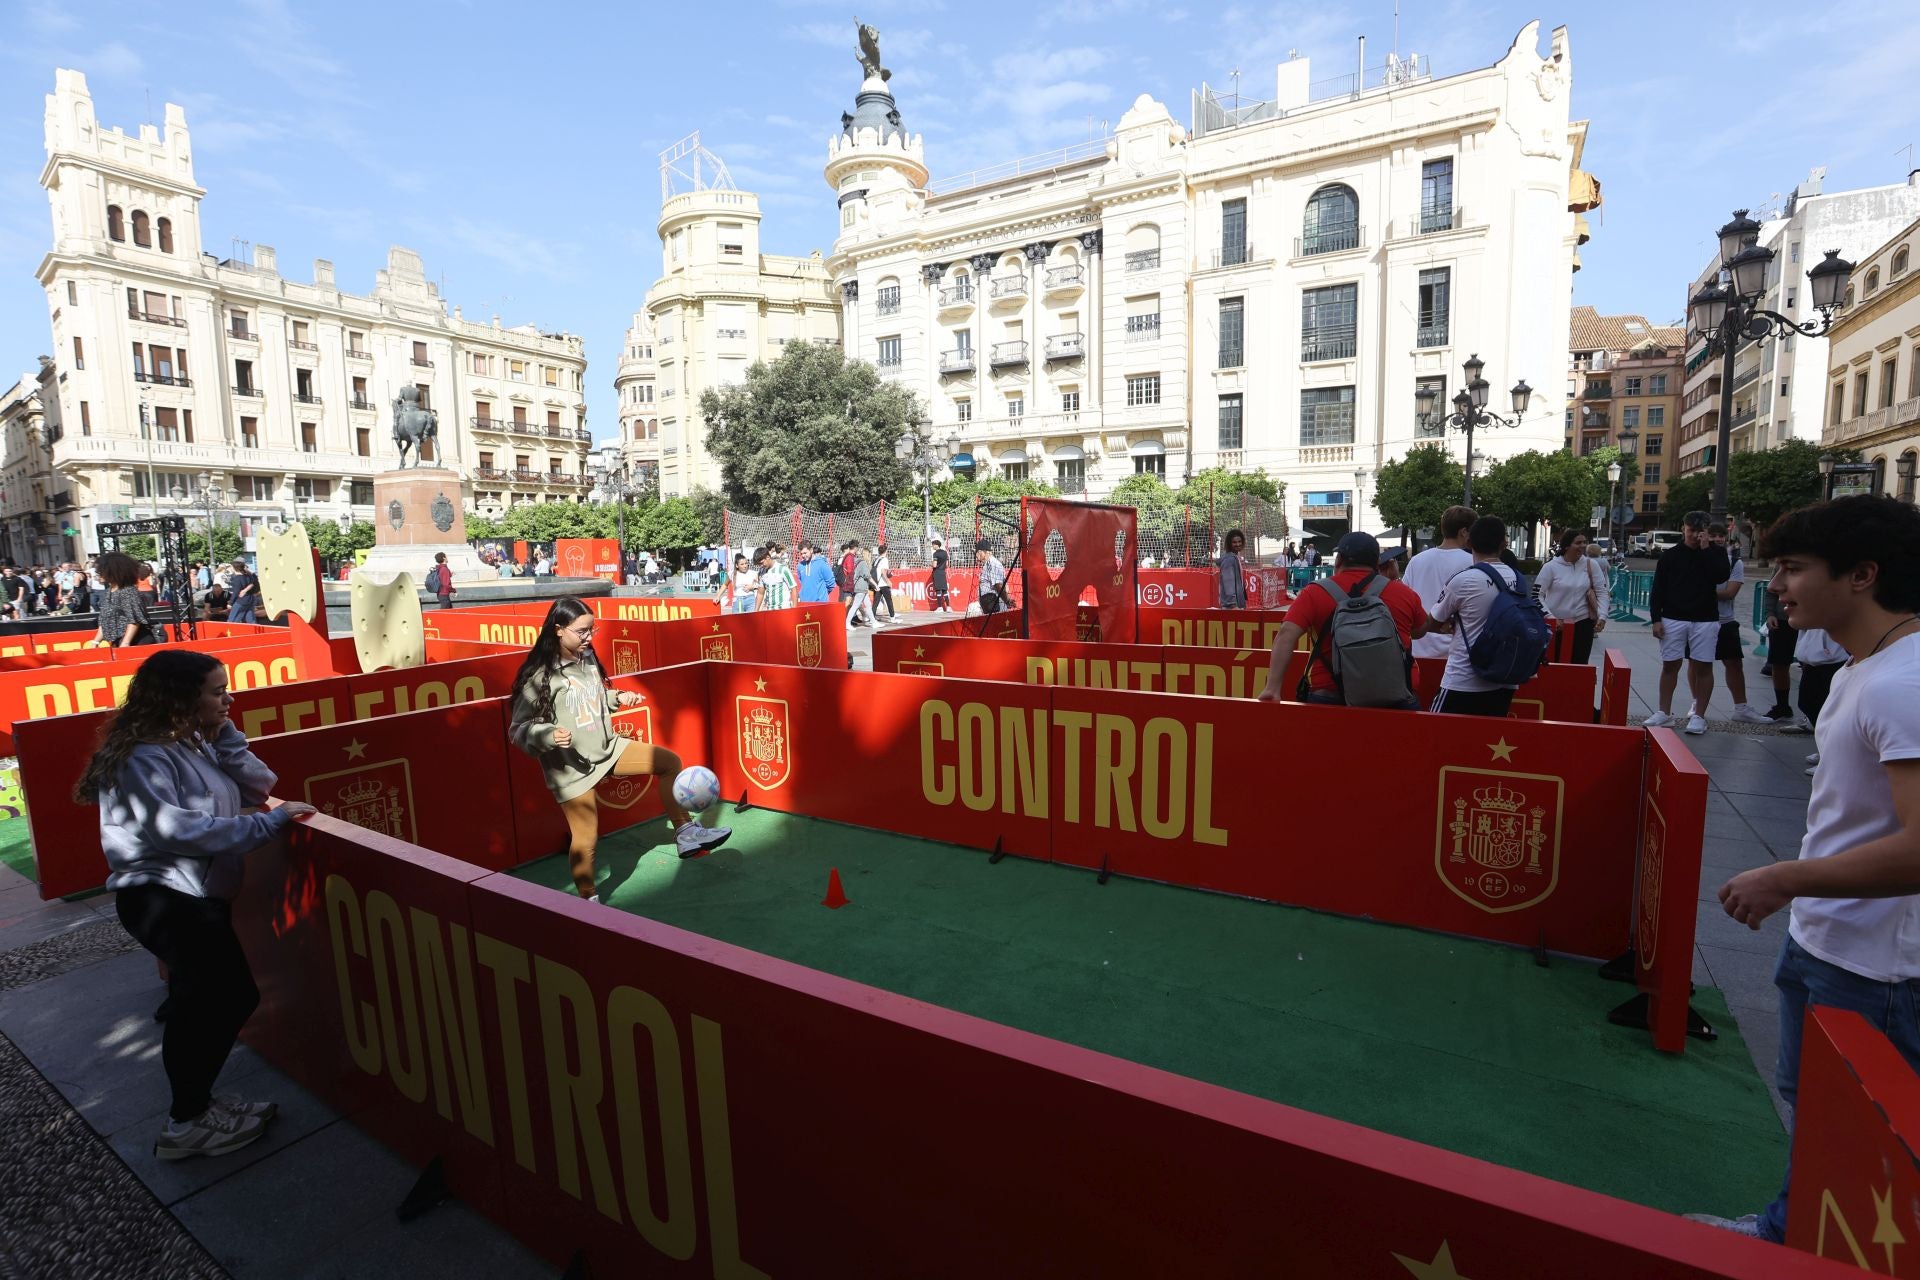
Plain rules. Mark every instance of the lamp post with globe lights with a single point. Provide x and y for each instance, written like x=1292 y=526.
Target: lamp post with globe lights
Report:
x=617 y=484
x=924 y=456
x=1470 y=412
x=1728 y=315
x=210 y=498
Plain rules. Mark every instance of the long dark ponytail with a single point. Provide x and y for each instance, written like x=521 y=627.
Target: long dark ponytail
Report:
x=545 y=654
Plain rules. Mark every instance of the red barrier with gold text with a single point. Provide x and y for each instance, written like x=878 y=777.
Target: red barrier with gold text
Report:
x=1672 y=830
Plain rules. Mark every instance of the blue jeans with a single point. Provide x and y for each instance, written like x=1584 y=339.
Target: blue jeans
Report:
x=743 y=604
x=243 y=609
x=1805 y=979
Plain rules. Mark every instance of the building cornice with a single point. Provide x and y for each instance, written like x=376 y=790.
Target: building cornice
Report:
x=102 y=164
x=1316 y=157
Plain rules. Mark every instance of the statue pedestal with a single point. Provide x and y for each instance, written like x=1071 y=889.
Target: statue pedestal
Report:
x=417 y=515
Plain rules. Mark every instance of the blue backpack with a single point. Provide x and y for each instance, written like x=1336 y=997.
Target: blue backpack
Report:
x=1513 y=644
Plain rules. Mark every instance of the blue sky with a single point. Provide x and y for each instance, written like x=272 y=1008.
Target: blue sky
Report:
x=516 y=147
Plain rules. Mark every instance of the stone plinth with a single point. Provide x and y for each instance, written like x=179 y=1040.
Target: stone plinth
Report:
x=416 y=515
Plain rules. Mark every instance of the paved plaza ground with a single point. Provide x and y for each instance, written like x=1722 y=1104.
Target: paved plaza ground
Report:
x=82 y=1093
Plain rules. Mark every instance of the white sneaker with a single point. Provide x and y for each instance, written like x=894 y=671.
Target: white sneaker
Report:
x=1746 y=713
x=1696 y=724
x=214 y=1133
x=235 y=1105
x=1813 y=757
x=695 y=839
x=1746 y=1225
x=1658 y=720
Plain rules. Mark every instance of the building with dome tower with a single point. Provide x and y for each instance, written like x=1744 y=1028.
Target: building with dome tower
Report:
x=1267 y=286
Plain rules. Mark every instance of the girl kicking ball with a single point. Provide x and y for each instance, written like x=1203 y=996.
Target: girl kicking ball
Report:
x=563 y=717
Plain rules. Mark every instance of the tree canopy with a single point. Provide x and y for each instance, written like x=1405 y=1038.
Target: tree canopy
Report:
x=1412 y=492
x=1762 y=484
x=1223 y=485
x=810 y=429
x=1532 y=487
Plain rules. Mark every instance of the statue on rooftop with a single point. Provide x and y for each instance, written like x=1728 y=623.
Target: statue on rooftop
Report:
x=870 y=51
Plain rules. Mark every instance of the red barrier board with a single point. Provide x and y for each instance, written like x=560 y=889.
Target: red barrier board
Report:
x=1673 y=825
x=1856 y=1147
x=1209 y=628
x=1221 y=673
x=1179 y=588
x=587 y=558
x=596 y=1081
x=1616 y=686
x=807 y=635
x=1074 y=552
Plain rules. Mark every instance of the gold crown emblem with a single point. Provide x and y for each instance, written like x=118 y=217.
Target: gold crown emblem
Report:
x=1499 y=797
x=762 y=718
x=362 y=791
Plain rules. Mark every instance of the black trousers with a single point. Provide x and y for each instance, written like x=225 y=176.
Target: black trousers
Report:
x=211 y=985
x=1583 y=641
x=1816 y=682
x=1493 y=702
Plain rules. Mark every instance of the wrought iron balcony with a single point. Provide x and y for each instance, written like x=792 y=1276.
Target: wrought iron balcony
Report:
x=417 y=362
x=1432 y=220
x=1009 y=286
x=1434 y=335
x=1065 y=278
x=1597 y=391
x=960 y=295
x=1333 y=346
x=360 y=402
x=1005 y=354
x=155 y=317
x=489 y=423
x=1143 y=328
x=1066 y=346
x=303 y=346
x=162 y=379
x=887 y=307
x=240 y=335
x=1329 y=240
x=251 y=392
x=1233 y=255
x=358 y=353
x=957 y=361
x=1142 y=260
x=305 y=397
x=490 y=473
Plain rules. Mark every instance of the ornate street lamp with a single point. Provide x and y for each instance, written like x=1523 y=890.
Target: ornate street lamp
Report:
x=616 y=485
x=1470 y=411
x=210 y=498
x=924 y=455
x=1728 y=315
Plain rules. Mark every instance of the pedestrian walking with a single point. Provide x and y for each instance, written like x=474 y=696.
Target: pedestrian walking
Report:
x=440 y=580
x=246 y=593
x=1572 y=585
x=1685 y=610
x=938 y=595
x=1430 y=571
x=859 y=585
x=1728 y=649
x=882 y=582
x=1233 y=570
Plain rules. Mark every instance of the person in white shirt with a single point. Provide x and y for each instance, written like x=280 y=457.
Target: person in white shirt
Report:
x=745 y=586
x=1850 y=568
x=1728 y=650
x=1433 y=568
x=1464 y=605
x=1572 y=585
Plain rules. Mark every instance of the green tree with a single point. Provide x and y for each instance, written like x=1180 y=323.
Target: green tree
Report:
x=707 y=509
x=1146 y=491
x=1686 y=493
x=961 y=491
x=1412 y=492
x=667 y=527
x=227 y=544
x=1223 y=485
x=1765 y=484
x=810 y=429
x=1534 y=487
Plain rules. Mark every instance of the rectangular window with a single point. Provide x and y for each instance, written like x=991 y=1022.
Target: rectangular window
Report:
x=1233 y=232
x=1650 y=502
x=889 y=353
x=360 y=493
x=306 y=489
x=1633 y=386
x=363 y=442
x=732 y=241
x=1887 y=383
x=1860 y=393
x=360 y=400
x=1150 y=464
x=300 y=338
x=1783 y=387
x=1328 y=322
x=523 y=463
x=519 y=415
x=1656 y=415
x=86 y=419
x=1231 y=431
x=420 y=355
x=73 y=294
x=1630 y=416
x=309 y=438
x=1232 y=333
x=1070 y=400
x=1143 y=388
x=1016 y=470
x=1435 y=422
x=166 y=423
x=1016 y=406
x=1653 y=445
x=963 y=342
x=1436 y=196
x=1070 y=475
x=254 y=488
x=963 y=410
x=243 y=377
x=79 y=354
x=1143 y=319
x=479 y=363
x=1913 y=372
x=551 y=375
x=250 y=433
x=1837 y=404
x=889 y=300
x=517 y=370
x=1436 y=286
x=1657 y=384
x=1650 y=473
x=356 y=343
x=426 y=399
x=1326 y=416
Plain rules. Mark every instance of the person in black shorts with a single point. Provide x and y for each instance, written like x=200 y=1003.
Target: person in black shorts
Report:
x=1781 y=639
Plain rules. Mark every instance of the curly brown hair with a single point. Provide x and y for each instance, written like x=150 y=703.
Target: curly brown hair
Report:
x=160 y=707
x=117 y=569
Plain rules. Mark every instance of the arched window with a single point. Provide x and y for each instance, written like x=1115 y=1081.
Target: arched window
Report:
x=116 y=223
x=142 y=232
x=1873 y=281
x=1847 y=301
x=165 y=227
x=1143 y=247
x=1899 y=262
x=1332 y=222
x=1904 y=468
x=1879 y=476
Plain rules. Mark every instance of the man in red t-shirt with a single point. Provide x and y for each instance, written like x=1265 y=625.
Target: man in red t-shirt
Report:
x=1355 y=560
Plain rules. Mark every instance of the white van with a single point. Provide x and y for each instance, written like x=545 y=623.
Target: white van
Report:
x=1663 y=539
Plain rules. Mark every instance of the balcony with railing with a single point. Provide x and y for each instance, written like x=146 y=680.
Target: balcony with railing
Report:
x=1746 y=379
x=361 y=402
x=305 y=397
x=1434 y=333
x=1597 y=391
x=420 y=362
x=1143 y=328
x=1066 y=279
x=1007 y=355
x=957 y=361
x=252 y=393
x=1903 y=414
x=238 y=334
x=1233 y=255
x=1142 y=260
x=1742 y=417
x=1066 y=346
x=358 y=353
x=1327 y=344
x=297 y=345
x=161 y=379
x=956 y=296
x=1329 y=240
x=155 y=317
x=1325 y=454
x=498 y=474
x=1432 y=221
x=887 y=307
x=1008 y=288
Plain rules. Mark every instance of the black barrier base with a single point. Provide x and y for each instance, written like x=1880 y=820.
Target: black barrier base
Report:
x=1540 y=950
x=577 y=1268
x=1106 y=868
x=1634 y=1014
x=429 y=1190
x=742 y=804
x=1618 y=969
x=999 y=851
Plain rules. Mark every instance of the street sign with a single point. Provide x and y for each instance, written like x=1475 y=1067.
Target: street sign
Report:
x=1623 y=514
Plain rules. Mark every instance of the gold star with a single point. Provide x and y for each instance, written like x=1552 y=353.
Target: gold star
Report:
x=356 y=750
x=806 y=617
x=1500 y=749
x=1441 y=1268
x=919 y=651
x=714 y=627
x=1885 y=1232
x=760 y=685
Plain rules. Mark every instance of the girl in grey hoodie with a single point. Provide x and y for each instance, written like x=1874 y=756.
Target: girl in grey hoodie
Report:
x=181 y=801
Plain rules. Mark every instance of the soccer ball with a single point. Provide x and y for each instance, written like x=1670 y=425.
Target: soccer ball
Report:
x=696 y=789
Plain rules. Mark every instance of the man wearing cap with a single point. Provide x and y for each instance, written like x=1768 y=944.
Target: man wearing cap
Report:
x=1356 y=561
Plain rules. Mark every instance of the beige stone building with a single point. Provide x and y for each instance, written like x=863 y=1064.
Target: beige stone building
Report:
x=636 y=382
x=34 y=508
x=1873 y=375
x=173 y=363
x=1624 y=389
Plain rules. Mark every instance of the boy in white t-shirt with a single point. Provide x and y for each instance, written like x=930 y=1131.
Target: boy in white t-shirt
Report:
x=1465 y=604
x=1851 y=568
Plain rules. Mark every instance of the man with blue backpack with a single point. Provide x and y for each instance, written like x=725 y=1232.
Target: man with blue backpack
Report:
x=1500 y=633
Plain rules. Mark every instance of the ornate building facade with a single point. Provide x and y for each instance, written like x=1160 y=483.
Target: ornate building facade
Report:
x=1873 y=375
x=1265 y=289
x=636 y=385
x=173 y=362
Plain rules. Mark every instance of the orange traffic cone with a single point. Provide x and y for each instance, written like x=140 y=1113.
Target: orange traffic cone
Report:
x=836 y=896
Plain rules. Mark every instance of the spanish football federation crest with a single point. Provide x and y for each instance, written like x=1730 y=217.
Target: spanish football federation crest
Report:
x=1653 y=854
x=623 y=793
x=807 y=645
x=1497 y=837
x=626 y=658
x=378 y=797
x=718 y=647
x=761 y=725
x=909 y=667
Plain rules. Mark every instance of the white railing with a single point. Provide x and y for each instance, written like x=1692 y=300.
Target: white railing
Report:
x=1009 y=286
x=1018 y=168
x=1066 y=346
x=1319 y=455
x=131 y=451
x=1064 y=278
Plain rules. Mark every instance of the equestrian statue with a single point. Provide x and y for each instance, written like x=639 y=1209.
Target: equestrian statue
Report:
x=412 y=425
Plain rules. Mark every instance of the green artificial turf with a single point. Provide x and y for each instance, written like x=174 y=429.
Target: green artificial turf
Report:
x=16 y=847
x=1466 y=1045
